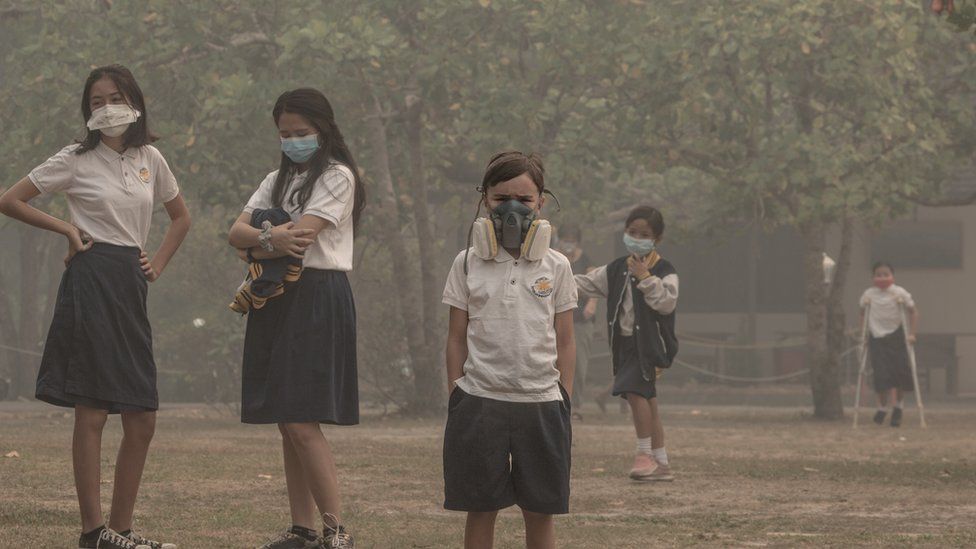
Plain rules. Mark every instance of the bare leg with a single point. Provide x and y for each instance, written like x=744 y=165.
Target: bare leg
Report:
x=882 y=399
x=86 y=453
x=318 y=465
x=299 y=497
x=898 y=395
x=540 y=531
x=137 y=432
x=479 y=530
x=657 y=428
x=643 y=414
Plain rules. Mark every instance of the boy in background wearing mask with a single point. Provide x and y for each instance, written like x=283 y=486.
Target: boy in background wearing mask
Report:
x=642 y=293
x=510 y=361
x=570 y=244
x=886 y=341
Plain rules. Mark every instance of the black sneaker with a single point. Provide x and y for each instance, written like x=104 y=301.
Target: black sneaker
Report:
x=291 y=540
x=879 y=417
x=136 y=538
x=896 y=417
x=110 y=539
x=335 y=537
x=89 y=540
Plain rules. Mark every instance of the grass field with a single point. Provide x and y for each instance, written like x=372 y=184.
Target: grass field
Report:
x=746 y=477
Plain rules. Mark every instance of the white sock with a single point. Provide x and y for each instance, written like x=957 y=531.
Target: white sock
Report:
x=660 y=455
x=644 y=446
x=883 y=409
x=900 y=403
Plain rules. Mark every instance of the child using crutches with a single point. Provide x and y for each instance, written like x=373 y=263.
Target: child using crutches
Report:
x=888 y=343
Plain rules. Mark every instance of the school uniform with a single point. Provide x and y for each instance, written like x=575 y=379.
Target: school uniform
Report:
x=300 y=348
x=99 y=347
x=508 y=434
x=886 y=341
x=640 y=321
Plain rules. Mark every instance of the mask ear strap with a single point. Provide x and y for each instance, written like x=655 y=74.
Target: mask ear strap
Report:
x=470 y=231
x=559 y=207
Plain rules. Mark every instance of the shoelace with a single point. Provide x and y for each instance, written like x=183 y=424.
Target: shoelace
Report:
x=117 y=539
x=139 y=540
x=340 y=538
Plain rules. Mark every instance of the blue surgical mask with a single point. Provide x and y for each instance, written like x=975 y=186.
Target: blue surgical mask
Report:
x=638 y=246
x=300 y=149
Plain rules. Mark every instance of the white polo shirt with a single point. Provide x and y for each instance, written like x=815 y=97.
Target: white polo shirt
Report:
x=110 y=195
x=511 y=305
x=884 y=317
x=331 y=200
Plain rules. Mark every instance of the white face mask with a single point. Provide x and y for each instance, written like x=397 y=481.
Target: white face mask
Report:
x=112 y=120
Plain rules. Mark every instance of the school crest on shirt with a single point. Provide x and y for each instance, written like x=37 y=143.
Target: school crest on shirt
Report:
x=542 y=287
x=144 y=175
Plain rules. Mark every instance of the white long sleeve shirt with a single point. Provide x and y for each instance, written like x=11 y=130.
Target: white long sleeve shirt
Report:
x=660 y=294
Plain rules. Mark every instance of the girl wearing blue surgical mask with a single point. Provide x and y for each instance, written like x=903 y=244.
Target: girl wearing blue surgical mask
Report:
x=299 y=367
x=641 y=289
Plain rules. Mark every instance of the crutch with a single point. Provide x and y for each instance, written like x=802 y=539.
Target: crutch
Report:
x=911 y=362
x=864 y=362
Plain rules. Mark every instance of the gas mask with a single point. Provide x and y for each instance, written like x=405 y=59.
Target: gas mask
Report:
x=511 y=225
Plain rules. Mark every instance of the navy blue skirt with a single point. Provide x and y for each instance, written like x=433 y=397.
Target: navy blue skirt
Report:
x=300 y=354
x=629 y=377
x=99 y=347
x=890 y=362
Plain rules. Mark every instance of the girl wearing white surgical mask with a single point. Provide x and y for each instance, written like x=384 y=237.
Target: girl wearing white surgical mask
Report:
x=641 y=289
x=299 y=366
x=98 y=356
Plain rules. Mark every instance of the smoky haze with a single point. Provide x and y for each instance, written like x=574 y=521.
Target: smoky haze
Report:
x=789 y=146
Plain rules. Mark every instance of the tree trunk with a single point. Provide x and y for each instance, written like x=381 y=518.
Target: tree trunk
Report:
x=402 y=276
x=836 y=318
x=9 y=359
x=428 y=374
x=29 y=325
x=824 y=379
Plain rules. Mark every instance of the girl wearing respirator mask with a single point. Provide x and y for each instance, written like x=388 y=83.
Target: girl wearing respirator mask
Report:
x=299 y=366
x=510 y=355
x=98 y=357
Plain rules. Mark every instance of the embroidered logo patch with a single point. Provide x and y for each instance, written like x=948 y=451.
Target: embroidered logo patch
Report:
x=542 y=287
x=144 y=175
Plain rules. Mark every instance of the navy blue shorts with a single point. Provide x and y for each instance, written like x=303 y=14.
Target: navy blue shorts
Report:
x=499 y=453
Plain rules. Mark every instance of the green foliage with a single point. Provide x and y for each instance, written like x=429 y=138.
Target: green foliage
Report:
x=798 y=113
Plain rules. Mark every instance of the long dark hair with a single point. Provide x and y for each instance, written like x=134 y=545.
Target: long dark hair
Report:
x=137 y=134
x=312 y=105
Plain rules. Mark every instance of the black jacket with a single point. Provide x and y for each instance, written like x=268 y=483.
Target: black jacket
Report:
x=654 y=332
x=266 y=277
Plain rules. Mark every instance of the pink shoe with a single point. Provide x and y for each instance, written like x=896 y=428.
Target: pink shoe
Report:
x=662 y=473
x=644 y=467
